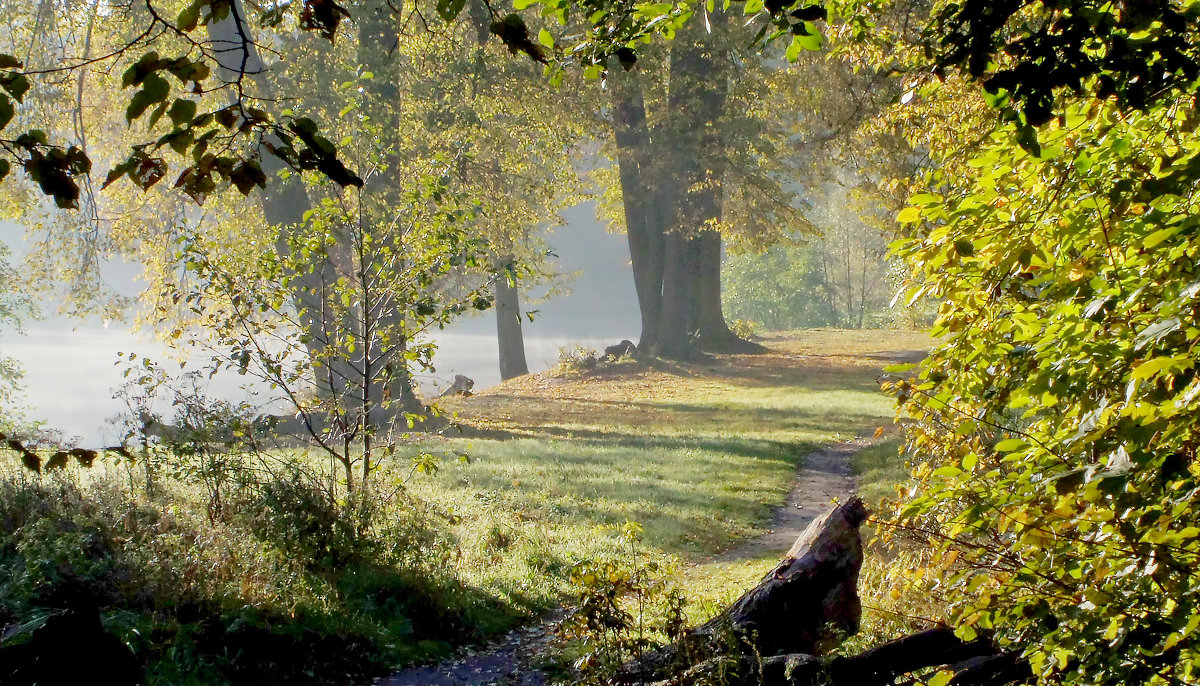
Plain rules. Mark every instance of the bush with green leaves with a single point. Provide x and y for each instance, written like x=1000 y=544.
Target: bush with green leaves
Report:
x=624 y=606
x=1058 y=418
x=307 y=598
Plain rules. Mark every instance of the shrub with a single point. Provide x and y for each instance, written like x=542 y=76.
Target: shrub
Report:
x=212 y=602
x=576 y=359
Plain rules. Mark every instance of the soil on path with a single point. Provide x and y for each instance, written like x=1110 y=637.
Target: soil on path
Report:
x=509 y=661
x=824 y=478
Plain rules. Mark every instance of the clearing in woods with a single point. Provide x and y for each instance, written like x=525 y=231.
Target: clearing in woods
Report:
x=723 y=463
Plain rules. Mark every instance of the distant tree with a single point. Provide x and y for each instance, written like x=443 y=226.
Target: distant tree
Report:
x=779 y=288
x=15 y=307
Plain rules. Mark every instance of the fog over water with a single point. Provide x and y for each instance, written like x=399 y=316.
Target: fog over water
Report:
x=70 y=370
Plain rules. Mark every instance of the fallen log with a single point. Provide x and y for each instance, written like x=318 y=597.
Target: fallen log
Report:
x=779 y=632
x=807 y=604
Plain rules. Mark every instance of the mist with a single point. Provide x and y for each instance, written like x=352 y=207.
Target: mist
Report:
x=72 y=367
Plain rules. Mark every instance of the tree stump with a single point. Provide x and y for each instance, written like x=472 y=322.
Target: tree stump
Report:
x=807 y=604
x=777 y=633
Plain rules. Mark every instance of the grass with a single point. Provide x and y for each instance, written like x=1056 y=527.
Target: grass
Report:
x=698 y=454
x=878 y=470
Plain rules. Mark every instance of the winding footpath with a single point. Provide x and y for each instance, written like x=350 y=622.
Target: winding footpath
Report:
x=824 y=477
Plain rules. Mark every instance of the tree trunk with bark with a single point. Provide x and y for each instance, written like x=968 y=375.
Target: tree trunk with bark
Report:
x=806 y=604
x=639 y=195
x=777 y=633
x=671 y=186
x=509 y=335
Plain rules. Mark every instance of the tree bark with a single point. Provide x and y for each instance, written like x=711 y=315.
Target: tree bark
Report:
x=713 y=331
x=679 y=288
x=509 y=336
x=807 y=604
x=777 y=632
x=639 y=195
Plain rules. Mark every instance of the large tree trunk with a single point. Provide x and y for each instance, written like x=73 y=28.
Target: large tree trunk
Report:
x=639 y=195
x=691 y=145
x=509 y=336
x=671 y=189
x=685 y=144
x=675 y=339
x=712 y=329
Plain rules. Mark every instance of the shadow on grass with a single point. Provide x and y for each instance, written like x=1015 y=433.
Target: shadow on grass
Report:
x=620 y=421
x=734 y=446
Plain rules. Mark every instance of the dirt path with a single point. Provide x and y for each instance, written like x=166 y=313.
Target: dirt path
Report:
x=825 y=477
x=508 y=661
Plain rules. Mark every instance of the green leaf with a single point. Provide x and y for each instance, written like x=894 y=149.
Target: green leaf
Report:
x=182 y=112
x=17 y=85
x=154 y=91
x=811 y=41
x=247 y=175
x=1153 y=367
x=117 y=172
x=1028 y=140
x=189 y=17
x=909 y=215
x=794 y=50
x=137 y=71
x=6 y=110
x=1160 y=236
x=448 y=10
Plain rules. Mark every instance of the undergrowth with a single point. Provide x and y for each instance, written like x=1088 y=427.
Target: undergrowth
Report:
x=280 y=586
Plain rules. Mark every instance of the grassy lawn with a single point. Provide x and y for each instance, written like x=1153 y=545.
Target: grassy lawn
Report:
x=698 y=454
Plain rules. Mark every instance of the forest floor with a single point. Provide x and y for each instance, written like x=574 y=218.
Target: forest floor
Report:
x=808 y=399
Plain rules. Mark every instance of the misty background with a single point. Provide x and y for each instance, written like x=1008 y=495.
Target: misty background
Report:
x=72 y=368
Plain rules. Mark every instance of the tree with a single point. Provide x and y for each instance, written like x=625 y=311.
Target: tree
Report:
x=718 y=143
x=1056 y=417
x=672 y=174
x=683 y=154
x=14 y=308
x=244 y=299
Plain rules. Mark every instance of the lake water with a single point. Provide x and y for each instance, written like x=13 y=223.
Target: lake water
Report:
x=71 y=376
